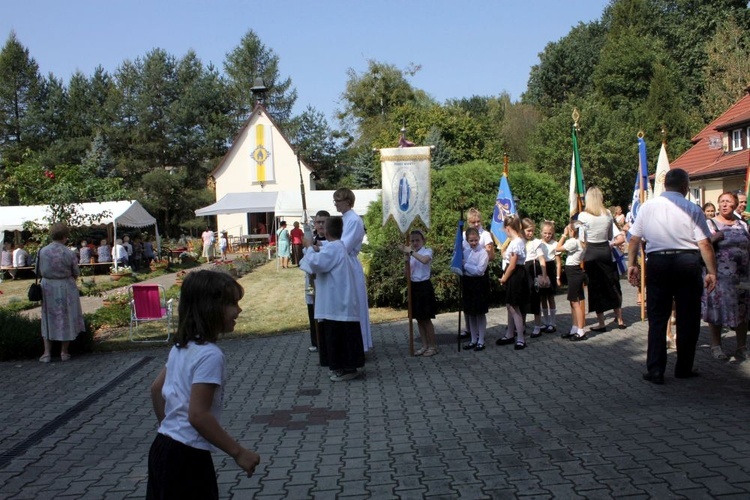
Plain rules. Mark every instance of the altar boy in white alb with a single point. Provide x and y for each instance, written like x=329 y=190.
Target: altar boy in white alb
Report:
x=336 y=303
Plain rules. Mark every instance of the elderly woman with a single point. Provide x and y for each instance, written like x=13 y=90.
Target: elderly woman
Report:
x=283 y=246
x=62 y=317
x=604 y=279
x=727 y=305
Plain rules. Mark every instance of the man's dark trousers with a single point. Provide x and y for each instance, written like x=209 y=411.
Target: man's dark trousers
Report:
x=675 y=277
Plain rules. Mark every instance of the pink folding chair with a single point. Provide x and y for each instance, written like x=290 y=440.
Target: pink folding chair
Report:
x=148 y=303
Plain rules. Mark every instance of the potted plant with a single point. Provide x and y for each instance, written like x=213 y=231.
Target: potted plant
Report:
x=115 y=273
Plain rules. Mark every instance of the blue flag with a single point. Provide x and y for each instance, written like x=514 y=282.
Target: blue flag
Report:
x=642 y=188
x=457 y=261
x=504 y=206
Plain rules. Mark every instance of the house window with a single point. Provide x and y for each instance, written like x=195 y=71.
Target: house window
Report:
x=736 y=139
x=748 y=137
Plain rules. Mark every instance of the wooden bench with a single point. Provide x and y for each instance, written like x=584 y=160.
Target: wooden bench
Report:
x=12 y=271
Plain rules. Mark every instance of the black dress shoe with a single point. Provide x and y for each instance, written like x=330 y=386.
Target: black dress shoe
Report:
x=578 y=338
x=536 y=335
x=687 y=375
x=654 y=378
x=599 y=329
x=464 y=335
x=519 y=346
x=469 y=347
x=549 y=329
x=505 y=341
x=566 y=335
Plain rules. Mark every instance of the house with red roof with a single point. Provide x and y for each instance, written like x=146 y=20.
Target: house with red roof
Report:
x=720 y=155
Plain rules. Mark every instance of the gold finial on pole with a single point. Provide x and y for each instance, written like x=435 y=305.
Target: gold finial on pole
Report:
x=663 y=134
x=641 y=135
x=576 y=115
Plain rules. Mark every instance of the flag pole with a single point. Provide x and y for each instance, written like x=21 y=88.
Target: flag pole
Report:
x=460 y=291
x=407 y=271
x=641 y=196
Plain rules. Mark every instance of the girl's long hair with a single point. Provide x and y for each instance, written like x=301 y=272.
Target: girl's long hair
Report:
x=201 y=310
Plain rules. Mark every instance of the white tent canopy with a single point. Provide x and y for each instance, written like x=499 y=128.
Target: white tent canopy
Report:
x=123 y=213
x=233 y=203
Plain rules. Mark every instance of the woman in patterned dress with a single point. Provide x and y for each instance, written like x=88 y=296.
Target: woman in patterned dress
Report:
x=727 y=305
x=62 y=317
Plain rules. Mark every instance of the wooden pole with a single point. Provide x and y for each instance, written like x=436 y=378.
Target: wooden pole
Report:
x=407 y=271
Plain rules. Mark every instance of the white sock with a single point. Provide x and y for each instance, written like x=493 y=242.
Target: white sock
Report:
x=580 y=332
x=537 y=329
x=573 y=329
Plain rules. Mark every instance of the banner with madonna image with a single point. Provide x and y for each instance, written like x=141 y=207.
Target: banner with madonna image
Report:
x=406 y=185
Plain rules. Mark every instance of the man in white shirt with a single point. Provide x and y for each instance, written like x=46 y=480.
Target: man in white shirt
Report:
x=677 y=237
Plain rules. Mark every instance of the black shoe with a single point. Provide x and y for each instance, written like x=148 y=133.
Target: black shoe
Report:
x=479 y=347
x=464 y=335
x=599 y=329
x=687 y=375
x=654 y=378
x=505 y=341
x=566 y=335
x=536 y=335
x=577 y=337
x=470 y=346
x=549 y=329
x=519 y=346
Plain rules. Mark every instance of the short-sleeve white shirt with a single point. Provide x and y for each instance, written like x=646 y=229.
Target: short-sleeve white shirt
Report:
x=194 y=364
x=670 y=222
x=516 y=246
x=419 y=271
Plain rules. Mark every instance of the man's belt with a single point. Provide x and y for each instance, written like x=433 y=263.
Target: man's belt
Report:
x=672 y=252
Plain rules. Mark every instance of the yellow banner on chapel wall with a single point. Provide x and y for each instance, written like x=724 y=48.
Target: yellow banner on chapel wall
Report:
x=262 y=170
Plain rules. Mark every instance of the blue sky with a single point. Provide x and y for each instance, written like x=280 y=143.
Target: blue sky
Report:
x=464 y=48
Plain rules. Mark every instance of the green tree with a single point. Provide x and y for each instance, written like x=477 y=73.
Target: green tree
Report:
x=316 y=144
x=252 y=59
x=566 y=67
x=20 y=87
x=727 y=72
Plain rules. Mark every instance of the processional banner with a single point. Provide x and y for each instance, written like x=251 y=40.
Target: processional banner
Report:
x=406 y=185
x=261 y=154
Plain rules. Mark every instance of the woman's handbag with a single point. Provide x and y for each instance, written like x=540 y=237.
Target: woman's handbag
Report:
x=35 y=290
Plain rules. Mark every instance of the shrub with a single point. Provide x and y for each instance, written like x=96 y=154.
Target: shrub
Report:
x=20 y=337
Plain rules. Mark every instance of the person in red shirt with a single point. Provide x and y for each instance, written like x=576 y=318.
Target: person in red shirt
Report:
x=296 y=235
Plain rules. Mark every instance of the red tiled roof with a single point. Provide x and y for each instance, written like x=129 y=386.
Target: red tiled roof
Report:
x=707 y=160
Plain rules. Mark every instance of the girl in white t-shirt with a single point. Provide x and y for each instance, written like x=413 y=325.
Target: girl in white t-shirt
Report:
x=187 y=394
x=475 y=289
x=516 y=284
x=422 y=292
x=536 y=268
x=576 y=277
x=554 y=269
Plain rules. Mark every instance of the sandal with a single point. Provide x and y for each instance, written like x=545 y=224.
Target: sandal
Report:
x=420 y=352
x=45 y=358
x=717 y=353
x=64 y=356
x=429 y=352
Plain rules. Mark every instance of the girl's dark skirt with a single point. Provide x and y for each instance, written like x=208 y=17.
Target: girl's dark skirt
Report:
x=552 y=275
x=176 y=470
x=423 y=304
x=475 y=290
x=576 y=278
x=533 y=271
x=517 y=289
x=604 y=280
x=343 y=345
